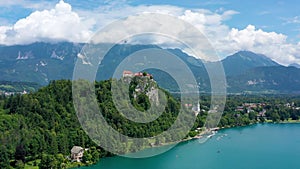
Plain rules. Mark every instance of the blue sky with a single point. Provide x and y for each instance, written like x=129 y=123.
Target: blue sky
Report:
x=270 y=15
x=274 y=23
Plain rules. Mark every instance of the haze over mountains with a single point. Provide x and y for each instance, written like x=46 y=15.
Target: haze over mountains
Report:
x=246 y=72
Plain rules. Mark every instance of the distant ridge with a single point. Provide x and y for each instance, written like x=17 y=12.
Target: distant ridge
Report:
x=242 y=61
x=245 y=71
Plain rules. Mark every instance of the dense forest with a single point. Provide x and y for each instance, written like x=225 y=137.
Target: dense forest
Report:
x=43 y=125
x=39 y=129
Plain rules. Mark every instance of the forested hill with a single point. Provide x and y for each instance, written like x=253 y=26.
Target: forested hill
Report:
x=38 y=124
x=41 y=128
x=44 y=125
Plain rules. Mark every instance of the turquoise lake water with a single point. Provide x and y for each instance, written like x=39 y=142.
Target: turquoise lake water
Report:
x=263 y=146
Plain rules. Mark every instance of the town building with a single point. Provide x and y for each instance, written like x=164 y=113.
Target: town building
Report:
x=77 y=153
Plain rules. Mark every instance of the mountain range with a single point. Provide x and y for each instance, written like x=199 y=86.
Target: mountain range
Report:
x=246 y=72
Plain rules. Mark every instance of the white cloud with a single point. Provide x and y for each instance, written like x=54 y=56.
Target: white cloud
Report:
x=272 y=44
x=292 y=20
x=226 y=41
x=59 y=23
x=65 y=24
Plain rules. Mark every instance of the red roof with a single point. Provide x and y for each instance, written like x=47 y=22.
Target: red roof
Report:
x=138 y=74
x=127 y=72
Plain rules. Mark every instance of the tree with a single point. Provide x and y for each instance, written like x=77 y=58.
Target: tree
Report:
x=87 y=157
x=4 y=159
x=48 y=162
x=252 y=115
x=20 y=153
x=262 y=119
x=143 y=101
x=19 y=164
x=192 y=133
x=294 y=115
x=60 y=161
x=275 y=117
x=95 y=154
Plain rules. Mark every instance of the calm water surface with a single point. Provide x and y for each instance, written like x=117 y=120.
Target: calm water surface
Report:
x=267 y=146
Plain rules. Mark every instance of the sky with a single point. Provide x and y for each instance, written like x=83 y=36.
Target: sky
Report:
x=270 y=27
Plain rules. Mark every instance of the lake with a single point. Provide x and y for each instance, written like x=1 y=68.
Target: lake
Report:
x=261 y=146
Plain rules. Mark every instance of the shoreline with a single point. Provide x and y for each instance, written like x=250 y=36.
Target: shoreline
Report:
x=207 y=132
x=221 y=145
x=203 y=133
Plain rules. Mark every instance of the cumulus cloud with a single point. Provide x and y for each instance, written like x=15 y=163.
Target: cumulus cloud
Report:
x=227 y=40
x=62 y=23
x=59 y=24
x=272 y=44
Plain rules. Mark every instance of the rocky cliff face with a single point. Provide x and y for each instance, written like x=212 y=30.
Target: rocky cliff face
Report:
x=147 y=86
x=143 y=90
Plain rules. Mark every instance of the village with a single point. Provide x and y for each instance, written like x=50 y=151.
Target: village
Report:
x=261 y=108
